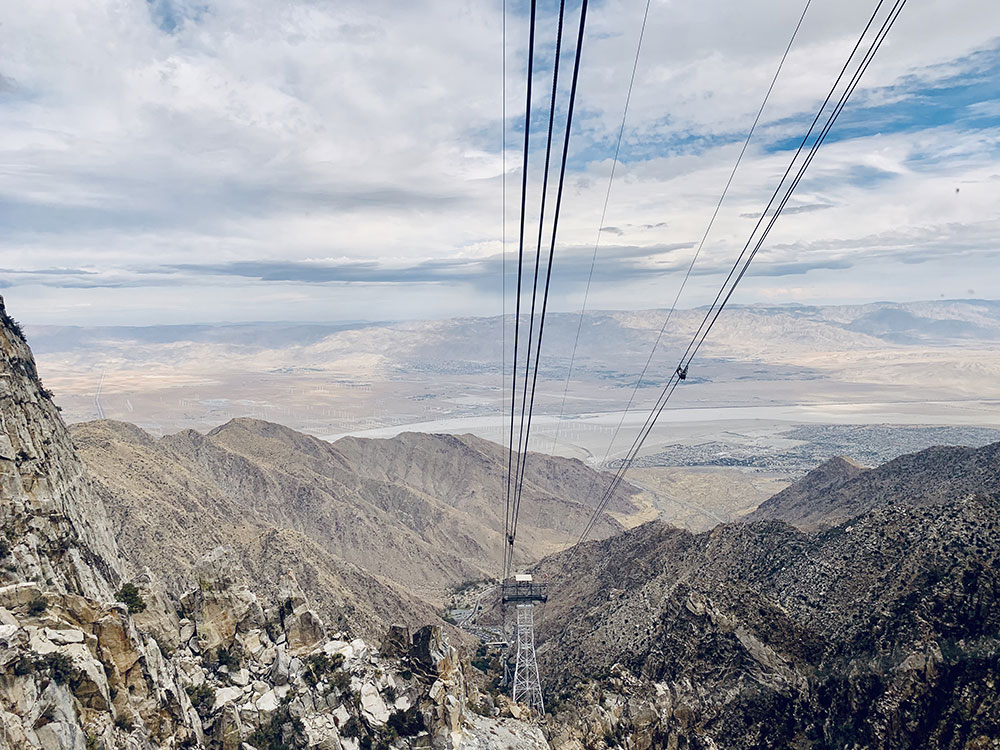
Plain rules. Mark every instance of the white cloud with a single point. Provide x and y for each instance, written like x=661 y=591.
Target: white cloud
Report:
x=135 y=136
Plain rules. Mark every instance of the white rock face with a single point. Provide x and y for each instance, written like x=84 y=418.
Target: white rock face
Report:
x=268 y=702
x=63 y=637
x=372 y=704
x=227 y=695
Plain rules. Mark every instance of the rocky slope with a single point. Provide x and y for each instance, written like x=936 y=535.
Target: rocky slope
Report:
x=423 y=511
x=880 y=632
x=226 y=672
x=839 y=490
x=95 y=656
x=55 y=527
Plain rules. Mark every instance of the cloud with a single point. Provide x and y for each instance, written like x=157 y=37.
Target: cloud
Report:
x=797 y=269
x=173 y=145
x=790 y=210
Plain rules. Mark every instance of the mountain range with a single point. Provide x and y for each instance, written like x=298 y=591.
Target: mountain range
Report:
x=876 y=630
x=368 y=527
x=208 y=590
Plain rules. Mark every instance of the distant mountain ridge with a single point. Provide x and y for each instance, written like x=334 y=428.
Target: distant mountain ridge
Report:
x=839 y=490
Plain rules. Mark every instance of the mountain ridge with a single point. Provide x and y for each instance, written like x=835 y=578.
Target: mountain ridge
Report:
x=401 y=520
x=830 y=495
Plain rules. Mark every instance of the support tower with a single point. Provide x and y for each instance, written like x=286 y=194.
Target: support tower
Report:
x=523 y=593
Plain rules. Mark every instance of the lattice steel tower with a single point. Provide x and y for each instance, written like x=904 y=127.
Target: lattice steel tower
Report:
x=526 y=684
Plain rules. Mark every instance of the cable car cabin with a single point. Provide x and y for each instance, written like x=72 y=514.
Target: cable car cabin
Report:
x=521 y=589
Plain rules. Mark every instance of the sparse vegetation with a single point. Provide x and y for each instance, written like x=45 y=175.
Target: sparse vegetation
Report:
x=228 y=658
x=407 y=723
x=37 y=607
x=129 y=596
x=269 y=736
x=318 y=666
x=23 y=665
x=202 y=698
x=340 y=680
x=58 y=665
x=351 y=728
x=15 y=327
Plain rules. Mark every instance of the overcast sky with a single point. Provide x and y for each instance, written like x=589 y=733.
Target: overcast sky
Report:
x=171 y=161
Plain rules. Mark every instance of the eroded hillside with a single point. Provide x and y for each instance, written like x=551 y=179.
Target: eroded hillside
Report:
x=879 y=632
x=424 y=512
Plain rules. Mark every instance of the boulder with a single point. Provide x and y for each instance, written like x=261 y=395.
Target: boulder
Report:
x=396 y=643
x=372 y=705
x=303 y=630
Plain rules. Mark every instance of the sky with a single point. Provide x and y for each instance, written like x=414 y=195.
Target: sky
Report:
x=179 y=161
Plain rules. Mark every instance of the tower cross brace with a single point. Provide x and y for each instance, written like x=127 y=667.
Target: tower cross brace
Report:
x=526 y=685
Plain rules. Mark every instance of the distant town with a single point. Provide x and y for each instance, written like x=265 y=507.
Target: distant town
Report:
x=868 y=445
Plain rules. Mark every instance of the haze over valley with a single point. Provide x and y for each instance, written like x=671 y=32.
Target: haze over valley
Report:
x=778 y=389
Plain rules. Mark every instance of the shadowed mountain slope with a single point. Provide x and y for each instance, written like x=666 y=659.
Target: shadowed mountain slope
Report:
x=878 y=633
x=839 y=490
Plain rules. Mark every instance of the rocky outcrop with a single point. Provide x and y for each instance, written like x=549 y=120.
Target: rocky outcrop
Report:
x=880 y=632
x=55 y=526
x=78 y=674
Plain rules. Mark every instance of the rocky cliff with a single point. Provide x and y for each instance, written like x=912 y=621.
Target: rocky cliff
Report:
x=880 y=632
x=97 y=654
x=56 y=533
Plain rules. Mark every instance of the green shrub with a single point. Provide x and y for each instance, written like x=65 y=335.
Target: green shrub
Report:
x=202 y=698
x=37 y=607
x=16 y=327
x=130 y=597
x=340 y=680
x=4 y=548
x=58 y=665
x=351 y=728
x=269 y=736
x=24 y=665
x=406 y=723
x=228 y=658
